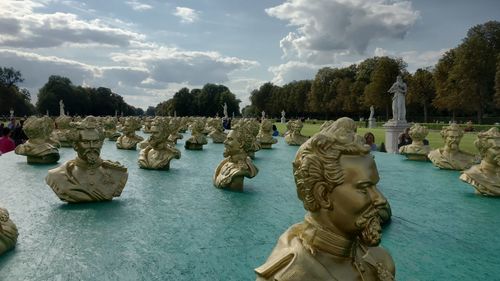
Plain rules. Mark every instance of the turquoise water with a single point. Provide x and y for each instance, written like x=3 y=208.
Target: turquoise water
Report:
x=174 y=225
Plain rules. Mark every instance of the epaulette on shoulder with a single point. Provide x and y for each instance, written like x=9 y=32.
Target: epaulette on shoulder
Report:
x=274 y=265
x=114 y=165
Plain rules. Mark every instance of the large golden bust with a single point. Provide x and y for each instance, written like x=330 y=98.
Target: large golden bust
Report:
x=236 y=165
x=159 y=151
x=197 y=139
x=8 y=232
x=293 y=135
x=450 y=156
x=87 y=177
x=265 y=136
x=416 y=150
x=39 y=148
x=129 y=139
x=336 y=180
x=485 y=177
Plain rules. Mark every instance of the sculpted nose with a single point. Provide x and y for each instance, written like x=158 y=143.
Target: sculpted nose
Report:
x=378 y=199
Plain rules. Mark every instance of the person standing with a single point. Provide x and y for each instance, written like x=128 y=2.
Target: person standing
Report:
x=6 y=143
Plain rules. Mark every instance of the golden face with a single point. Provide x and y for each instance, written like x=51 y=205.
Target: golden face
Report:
x=89 y=146
x=231 y=144
x=357 y=200
x=452 y=139
x=492 y=154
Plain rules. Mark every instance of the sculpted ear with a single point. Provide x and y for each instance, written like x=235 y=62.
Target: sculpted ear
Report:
x=321 y=196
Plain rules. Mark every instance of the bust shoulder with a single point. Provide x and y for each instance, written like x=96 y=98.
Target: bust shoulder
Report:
x=114 y=165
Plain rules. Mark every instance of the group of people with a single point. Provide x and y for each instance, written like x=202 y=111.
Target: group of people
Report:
x=11 y=135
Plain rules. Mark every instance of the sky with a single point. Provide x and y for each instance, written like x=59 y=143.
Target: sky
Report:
x=146 y=50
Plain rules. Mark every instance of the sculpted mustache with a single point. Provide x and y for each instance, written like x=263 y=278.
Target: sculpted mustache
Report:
x=366 y=216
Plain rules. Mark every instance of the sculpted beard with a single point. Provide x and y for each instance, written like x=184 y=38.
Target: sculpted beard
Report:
x=372 y=231
x=92 y=156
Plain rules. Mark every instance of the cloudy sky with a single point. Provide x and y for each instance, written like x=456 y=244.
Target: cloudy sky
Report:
x=146 y=50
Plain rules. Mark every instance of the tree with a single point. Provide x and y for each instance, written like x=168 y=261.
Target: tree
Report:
x=10 y=77
x=421 y=90
x=497 y=83
x=150 y=111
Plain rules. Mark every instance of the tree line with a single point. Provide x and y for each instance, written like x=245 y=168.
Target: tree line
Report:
x=207 y=101
x=464 y=82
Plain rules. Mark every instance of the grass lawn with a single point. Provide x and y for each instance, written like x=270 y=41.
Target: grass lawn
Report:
x=435 y=140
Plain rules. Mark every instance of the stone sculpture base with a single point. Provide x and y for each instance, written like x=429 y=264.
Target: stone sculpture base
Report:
x=266 y=145
x=283 y=120
x=236 y=184
x=251 y=154
x=46 y=159
x=164 y=168
x=372 y=123
x=392 y=131
x=193 y=146
x=66 y=144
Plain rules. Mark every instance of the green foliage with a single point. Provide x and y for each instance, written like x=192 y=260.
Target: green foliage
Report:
x=11 y=97
x=208 y=101
x=10 y=77
x=81 y=100
x=421 y=89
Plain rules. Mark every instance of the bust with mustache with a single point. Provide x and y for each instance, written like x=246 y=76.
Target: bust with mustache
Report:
x=450 y=156
x=336 y=180
x=485 y=177
x=87 y=178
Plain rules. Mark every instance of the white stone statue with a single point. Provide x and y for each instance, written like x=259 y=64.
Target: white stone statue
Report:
x=372 y=112
x=61 y=108
x=263 y=114
x=398 y=100
x=225 y=111
x=283 y=119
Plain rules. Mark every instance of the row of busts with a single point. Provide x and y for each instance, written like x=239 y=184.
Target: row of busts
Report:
x=481 y=171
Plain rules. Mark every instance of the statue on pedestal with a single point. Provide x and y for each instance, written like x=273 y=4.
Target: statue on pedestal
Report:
x=226 y=115
x=87 y=178
x=129 y=139
x=293 y=135
x=398 y=100
x=336 y=180
x=485 y=177
x=217 y=131
x=61 y=108
x=39 y=148
x=416 y=150
x=450 y=156
x=197 y=139
x=265 y=136
x=110 y=128
x=236 y=165
x=283 y=119
x=147 y=125
x=62 y=128
x=371 y=120
x=160 y=151
x=8 y=232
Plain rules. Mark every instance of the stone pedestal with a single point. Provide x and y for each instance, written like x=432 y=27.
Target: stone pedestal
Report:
x=372 y=123
x=283 y=120
x=392 y=131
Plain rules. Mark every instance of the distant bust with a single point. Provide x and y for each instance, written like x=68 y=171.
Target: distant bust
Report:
x=336 y=180
x=159 y=151
x=8 y=232
x=485 y=177
x=236 y=165
x=59 y=134
x=129 y=139
x=293 y=135
x=265 y=136
x=450 y=156
x=87 y=178
x=197 y=139
x=416 y=150
x=39 y=148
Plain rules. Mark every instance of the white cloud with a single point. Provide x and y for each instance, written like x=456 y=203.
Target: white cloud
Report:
x=187 y=15
x=293 y=70
x=325 y=27
x=25 y=28
x=138 y=6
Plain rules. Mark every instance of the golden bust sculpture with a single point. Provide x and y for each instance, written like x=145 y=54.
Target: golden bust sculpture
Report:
x=175 y=135
x=251 y=126
x=148 y=122
x=336 y=180
x=197 y=139
x=129 y=139
x=416 y=150
x=236 y=165
x=87 y=178
x=217 y=131
x=450 y=156
x=39 y=148
x=485 y=177
x=265 y=136
x=62 y=127
x=8 y=232
x=293 y=135
x=160 y=151
x=110 y=128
